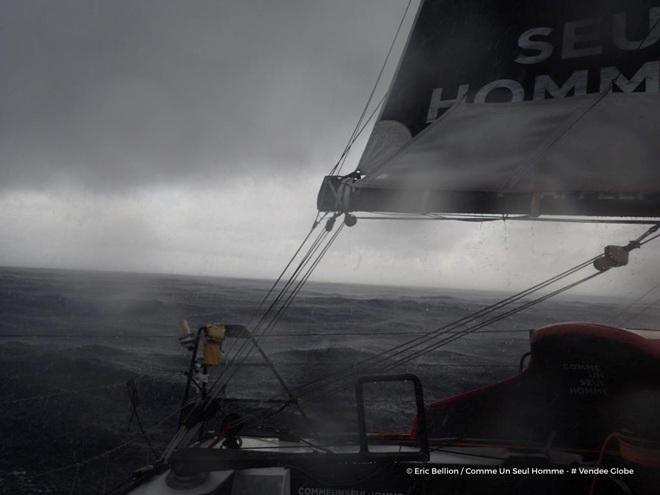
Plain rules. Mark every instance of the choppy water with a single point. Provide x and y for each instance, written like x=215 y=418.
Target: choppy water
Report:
x=69 y=341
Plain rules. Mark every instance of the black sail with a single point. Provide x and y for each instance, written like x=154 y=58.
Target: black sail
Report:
x=531 y=107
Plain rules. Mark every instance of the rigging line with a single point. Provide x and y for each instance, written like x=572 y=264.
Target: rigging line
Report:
x=649 y=240
x=434 y=334
x=108 y=452
x=628 y=308
x=302 y=282
x=359 y=133
x=556 y=278
x=538 y=300
x=319 y=384
x=134 y=408
x=456 y=336
x=247 y=348
x=292 y=281
x=495 y=319
x=479 y=325
x=374 y=334
x=460 y=322
x=300 y=285
x=453 y=337
x=270 y=336
x=643 y=310
x=269 y=413
x=344 y=156
x=247 y=344
x=280 y=294
x=351 y=140
x=643 y=239
x=293 y=295
x=315 y=224
x=371 y=116
x=282 y=273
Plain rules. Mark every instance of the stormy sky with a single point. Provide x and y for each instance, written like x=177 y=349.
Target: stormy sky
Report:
x=191 y=137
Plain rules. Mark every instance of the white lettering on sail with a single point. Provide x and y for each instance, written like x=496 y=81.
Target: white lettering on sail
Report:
x=513 y=87
x=577 y=83
x=648 y=74
x=581 y=38
x=438 y=103
x=577 y=33
x=544 y=48
x=620 y=37
x=647 y=78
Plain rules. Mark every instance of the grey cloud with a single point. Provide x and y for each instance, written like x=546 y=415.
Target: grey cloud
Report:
x=110 y=94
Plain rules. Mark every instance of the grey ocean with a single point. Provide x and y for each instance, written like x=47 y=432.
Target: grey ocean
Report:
x=69 y=342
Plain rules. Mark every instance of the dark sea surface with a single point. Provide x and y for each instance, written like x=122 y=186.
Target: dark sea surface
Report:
x=69 y=342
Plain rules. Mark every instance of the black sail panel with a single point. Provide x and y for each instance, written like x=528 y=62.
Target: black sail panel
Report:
x=544 y=106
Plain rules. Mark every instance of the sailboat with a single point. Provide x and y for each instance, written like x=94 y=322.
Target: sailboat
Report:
x=497 y=111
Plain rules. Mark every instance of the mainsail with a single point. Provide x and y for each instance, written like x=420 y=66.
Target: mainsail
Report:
x=545 y=107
